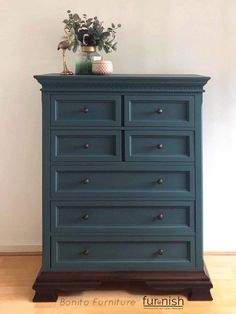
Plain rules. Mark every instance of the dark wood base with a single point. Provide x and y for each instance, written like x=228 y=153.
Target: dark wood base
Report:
x=195 y=285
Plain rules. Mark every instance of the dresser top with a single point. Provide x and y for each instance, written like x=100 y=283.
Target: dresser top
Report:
x=124 y=82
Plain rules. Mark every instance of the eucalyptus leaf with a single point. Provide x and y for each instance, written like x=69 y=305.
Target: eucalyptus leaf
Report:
x=96 y=34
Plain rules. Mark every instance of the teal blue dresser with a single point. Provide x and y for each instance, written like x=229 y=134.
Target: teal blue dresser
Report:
x=122 y=184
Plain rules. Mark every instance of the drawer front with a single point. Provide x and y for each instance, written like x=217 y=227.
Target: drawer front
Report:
x=176 y=111
x=85 y=110
x=122 y=181
x=101 y=253
x=170 y=218
x=85 y=145
x=159 y=145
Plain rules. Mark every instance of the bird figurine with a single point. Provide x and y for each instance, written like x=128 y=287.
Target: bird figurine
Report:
x=64 y=45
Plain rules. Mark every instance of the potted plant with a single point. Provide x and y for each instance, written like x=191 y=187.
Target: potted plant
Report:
x=89 y=35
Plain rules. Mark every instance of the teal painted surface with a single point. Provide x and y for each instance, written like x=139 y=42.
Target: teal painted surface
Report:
x=118 y=152
x=159 y=110
x=159 y=145
x=136 y=180
x=86 y=110
x=85 y=145
x=199 y=186
x=137 y=253
x=46 y=256
x=166 y=217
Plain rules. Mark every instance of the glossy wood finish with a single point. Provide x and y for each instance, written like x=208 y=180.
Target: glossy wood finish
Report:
x=19 y=272
x=117 y=152
x=195 y=285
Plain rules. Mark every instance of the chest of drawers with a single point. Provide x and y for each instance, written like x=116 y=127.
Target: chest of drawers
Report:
x=122 y=184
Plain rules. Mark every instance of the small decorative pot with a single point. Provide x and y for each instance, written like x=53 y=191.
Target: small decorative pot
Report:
x=102 y=67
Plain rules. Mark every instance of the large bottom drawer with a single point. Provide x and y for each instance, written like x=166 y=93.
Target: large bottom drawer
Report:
x=92 y=253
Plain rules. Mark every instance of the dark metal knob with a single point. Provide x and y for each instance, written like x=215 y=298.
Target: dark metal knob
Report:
x=160 y=252
x=85 y=110
x=160 y=217
x=160 y=181
x=85 y=252
x=159 y=111
x=159 y=146
x=86 y=181
x=86 y=145
x=85 y=217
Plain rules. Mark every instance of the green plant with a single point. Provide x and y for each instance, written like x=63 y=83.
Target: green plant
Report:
x=91 y=32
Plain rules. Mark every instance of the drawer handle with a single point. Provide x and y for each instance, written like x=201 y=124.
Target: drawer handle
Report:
x=160 y=252
x=160 y=216
x=85 y=252
x=159 y=146
x=86 y=181
x=159 y=110
x=85 y=110
x=85 y=217
x=160 y=181
x=86 y=145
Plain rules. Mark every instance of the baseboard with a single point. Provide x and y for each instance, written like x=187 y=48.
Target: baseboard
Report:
x=20 y=249
x=223 y=253
x=37 y=250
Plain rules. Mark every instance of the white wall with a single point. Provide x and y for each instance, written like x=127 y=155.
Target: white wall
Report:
x=157 y=36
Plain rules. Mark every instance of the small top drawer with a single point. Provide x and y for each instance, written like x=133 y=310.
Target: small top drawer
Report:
x=85 y=145
x=176 y=110
x=85 y=110
x=159 y=145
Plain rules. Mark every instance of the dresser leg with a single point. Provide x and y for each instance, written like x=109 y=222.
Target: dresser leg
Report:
x=44 y=290
x=45 y=295
x=200 y=294
x=196 y=285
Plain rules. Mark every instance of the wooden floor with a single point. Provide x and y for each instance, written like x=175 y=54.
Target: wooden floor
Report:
x=17 y=274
